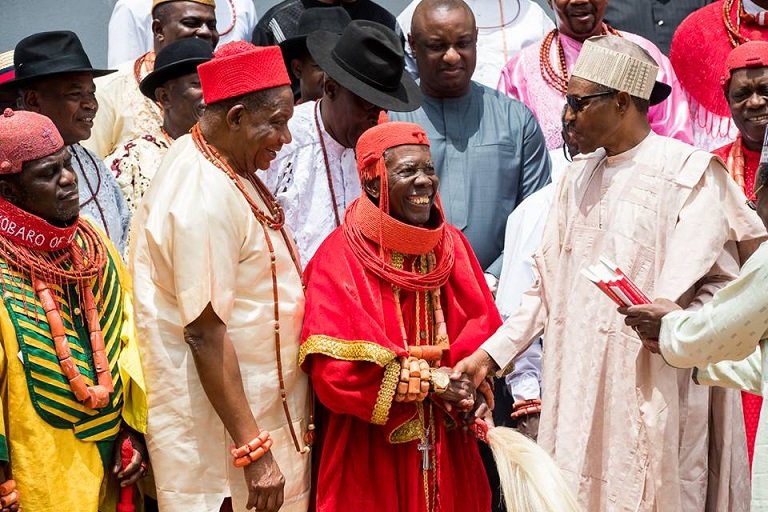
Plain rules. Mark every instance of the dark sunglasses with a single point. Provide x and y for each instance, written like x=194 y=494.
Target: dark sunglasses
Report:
x=577 y=103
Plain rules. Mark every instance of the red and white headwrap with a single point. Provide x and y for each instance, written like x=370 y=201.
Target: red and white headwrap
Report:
x=7 y=71
x=239 y=68
x=26 y=136
x=752 y=54
x=374 y=142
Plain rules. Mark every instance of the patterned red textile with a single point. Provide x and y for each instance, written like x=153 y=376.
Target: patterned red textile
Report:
x=28 y=230
x=375 y=141
x=752 y=54
x=239 y=68
x=751 y=405
x=361 y=465
x=751 y=162
x=26 y=136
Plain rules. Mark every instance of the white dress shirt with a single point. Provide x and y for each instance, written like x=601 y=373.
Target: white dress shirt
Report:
x=130 y=27
x=503 y=30
x=299 y=179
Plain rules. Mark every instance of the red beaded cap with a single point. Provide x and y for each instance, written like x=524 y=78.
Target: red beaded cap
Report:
x=239 y=68
x=752 y=54
x=374 y=141
x=25 y=136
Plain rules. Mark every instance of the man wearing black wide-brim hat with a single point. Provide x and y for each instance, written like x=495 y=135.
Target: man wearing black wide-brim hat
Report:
x=315 y=176
x=306 y=75
x=175 y=85
x=54 y=77
x=280 y=22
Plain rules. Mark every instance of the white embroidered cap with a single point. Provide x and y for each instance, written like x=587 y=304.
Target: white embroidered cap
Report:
x=617 y=63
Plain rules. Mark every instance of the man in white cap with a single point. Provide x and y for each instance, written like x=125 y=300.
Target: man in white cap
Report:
x=629 y=431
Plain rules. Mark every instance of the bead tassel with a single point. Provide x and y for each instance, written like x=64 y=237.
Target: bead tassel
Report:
x=9 y=494
x=81 y=272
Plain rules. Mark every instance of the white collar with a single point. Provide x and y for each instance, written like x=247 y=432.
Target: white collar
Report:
x=751 y=7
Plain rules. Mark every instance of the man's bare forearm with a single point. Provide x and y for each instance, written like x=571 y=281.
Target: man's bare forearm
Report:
x=219 y=371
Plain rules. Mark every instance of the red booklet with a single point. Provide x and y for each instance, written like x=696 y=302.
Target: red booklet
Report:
x=613 y=282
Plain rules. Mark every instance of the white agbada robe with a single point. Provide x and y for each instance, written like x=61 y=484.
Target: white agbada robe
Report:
x=628 y=431
x=727 y=340
x=196 y=241
x=525 y=227
x=299 y=180
x=130 y=27
x=135 y=163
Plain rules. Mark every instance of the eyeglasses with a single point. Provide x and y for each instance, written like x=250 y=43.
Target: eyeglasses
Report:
x=752 y=201
x=577 y=103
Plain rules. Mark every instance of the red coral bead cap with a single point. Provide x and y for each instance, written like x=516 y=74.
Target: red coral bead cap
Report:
x=239 y=68
x=375 y=141
x=26 y=136
x=752 y=54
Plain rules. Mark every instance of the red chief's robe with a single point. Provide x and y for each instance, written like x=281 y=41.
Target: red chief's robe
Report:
x=351 y=347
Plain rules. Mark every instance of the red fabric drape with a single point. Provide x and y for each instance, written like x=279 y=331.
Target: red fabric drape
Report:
x=358 y=467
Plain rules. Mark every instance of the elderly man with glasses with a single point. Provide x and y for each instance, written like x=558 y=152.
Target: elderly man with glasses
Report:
x=626 y=428
x=689 y=339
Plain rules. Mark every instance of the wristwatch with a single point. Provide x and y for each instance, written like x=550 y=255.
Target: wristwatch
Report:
x=440 y=380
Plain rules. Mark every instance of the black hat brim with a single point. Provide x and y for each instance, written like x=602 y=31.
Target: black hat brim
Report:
x=406 y=98
x=293 y=48
x=19 y=82
x=659 y=93
x=173 y=70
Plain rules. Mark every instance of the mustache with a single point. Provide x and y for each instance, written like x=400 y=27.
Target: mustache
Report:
x=580 y=10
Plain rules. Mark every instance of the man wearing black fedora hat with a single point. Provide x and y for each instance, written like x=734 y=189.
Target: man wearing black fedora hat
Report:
x=306 y=75
x=315 y=177
x=124 y=112
x=175 y=85
x=54 y=77
x=281 y=21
